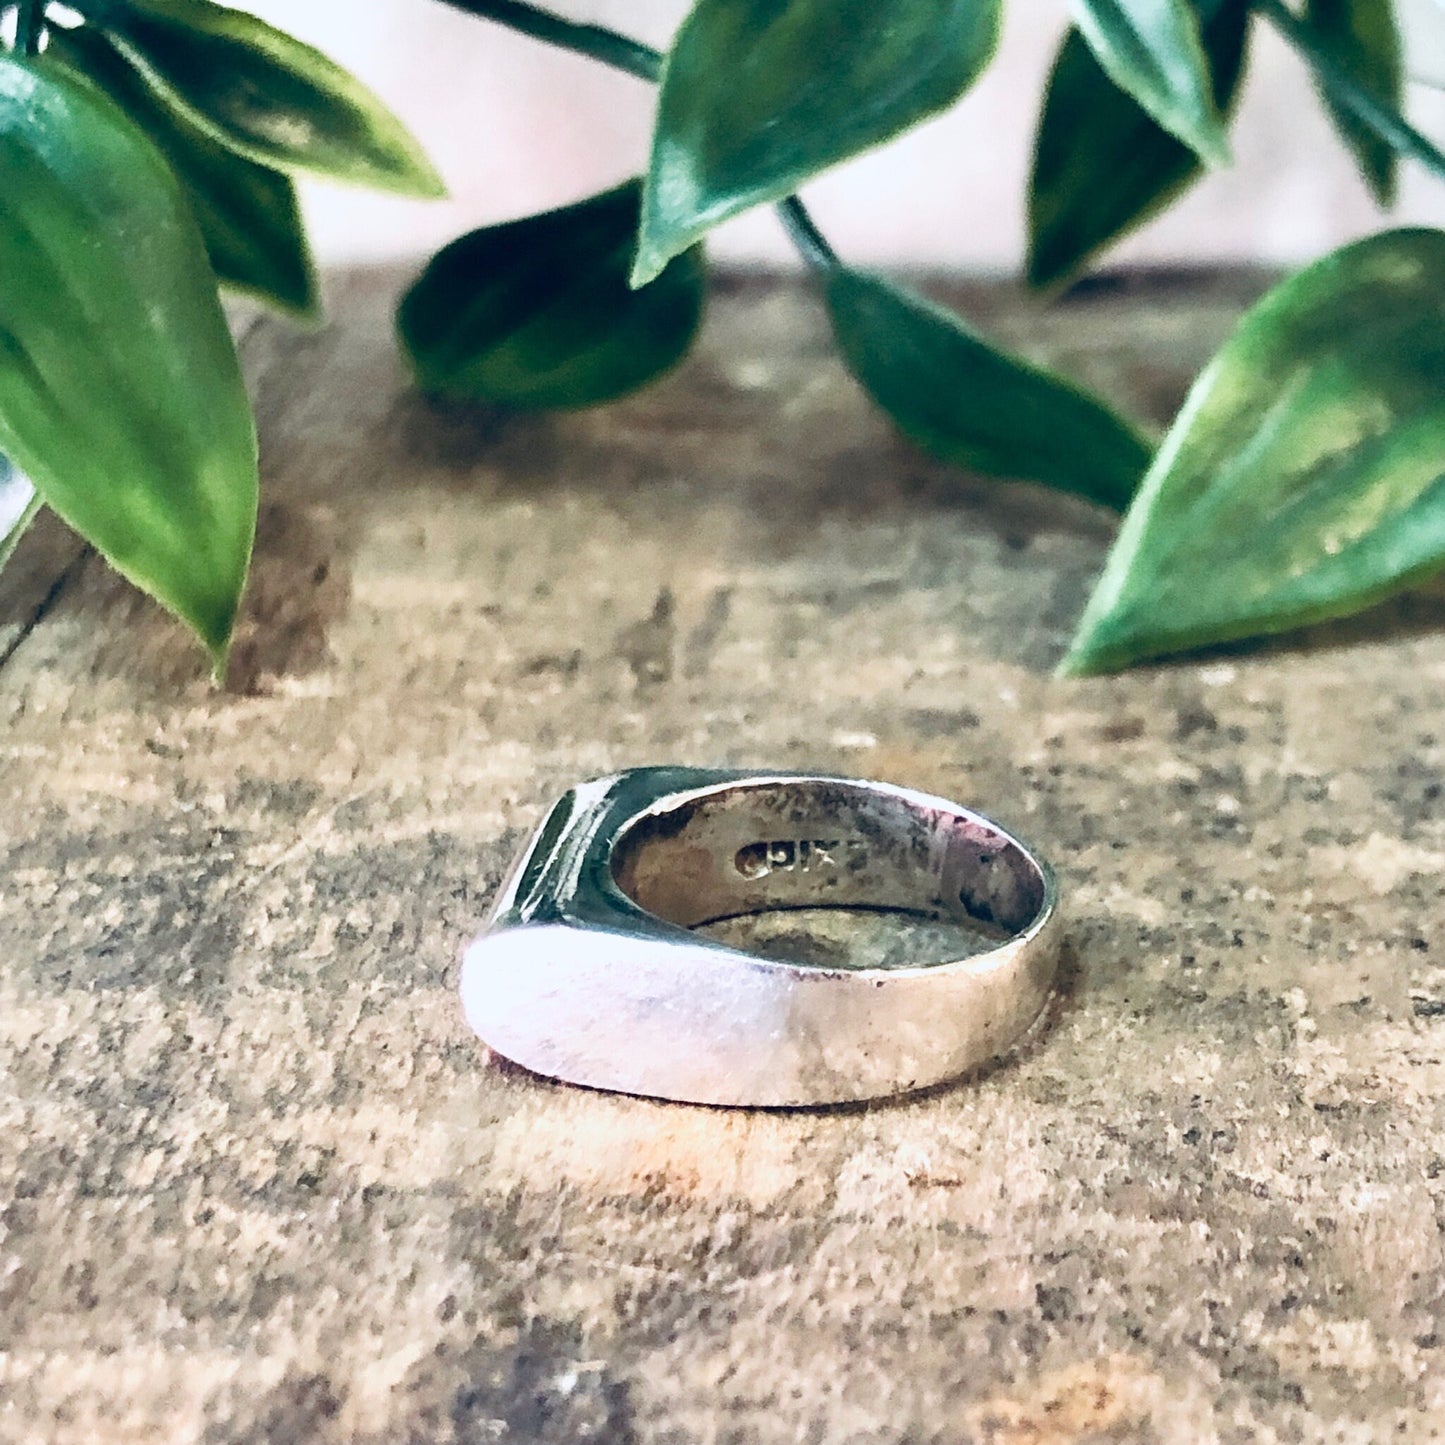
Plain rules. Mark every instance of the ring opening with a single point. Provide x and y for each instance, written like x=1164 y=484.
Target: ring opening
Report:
x=754 y=847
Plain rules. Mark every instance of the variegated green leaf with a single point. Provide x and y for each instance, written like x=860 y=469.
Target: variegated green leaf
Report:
x=1304 y=478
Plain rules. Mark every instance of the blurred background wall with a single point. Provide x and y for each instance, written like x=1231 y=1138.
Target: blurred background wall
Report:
x=516 y=127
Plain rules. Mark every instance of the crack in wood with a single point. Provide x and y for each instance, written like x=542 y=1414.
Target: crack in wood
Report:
x=46 y=605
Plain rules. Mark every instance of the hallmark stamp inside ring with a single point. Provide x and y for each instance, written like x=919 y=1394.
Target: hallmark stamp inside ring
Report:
x=803 y=855
x=589 y=970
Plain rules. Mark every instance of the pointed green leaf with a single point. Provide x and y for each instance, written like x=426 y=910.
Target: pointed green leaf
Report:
x=1343 y=85
x=969 y=403
x=1152 y=50
x=1363 y=37
x=1305 y=476
x=248 y=213
x=1101 y=165
x=265 y=94
x=120 y=392
x=19 y=503
x=758 y=95
x=538 y=312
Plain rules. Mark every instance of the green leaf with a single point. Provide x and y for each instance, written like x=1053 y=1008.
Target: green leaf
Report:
x=1339 y=81
x=265 y=94
x=1364 y=39
x=19 y=504
x=758 y=95
x=1152 y=50
x=120 y=392
x=1102 y=165
x=538 y=312
x=969 y=403
x=1304 y=478
x=248 y=213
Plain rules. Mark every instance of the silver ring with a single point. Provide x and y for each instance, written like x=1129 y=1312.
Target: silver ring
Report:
x=587 y=970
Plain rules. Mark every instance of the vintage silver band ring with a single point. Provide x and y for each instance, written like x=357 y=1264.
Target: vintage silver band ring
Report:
x=588 y=971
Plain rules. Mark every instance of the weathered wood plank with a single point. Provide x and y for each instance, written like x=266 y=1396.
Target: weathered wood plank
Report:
x=259 y=1184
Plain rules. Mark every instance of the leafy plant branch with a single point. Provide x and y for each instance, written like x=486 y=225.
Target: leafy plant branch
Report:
x=1302 y=479
x=632 y=57
x=1090 y=450
x=1336 y=77
x=1136 y=109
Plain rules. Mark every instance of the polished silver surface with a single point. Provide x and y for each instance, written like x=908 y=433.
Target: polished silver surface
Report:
x=588 y=970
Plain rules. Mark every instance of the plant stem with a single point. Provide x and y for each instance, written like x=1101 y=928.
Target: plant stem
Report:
x=1362 y=103
x=29 y=21
x=609 y=46
x=623 y=53
x=803 y=232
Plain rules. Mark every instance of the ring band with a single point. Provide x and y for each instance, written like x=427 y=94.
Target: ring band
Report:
x=587 y=970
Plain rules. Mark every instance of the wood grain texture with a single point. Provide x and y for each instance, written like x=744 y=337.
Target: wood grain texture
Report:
x=258 y=1183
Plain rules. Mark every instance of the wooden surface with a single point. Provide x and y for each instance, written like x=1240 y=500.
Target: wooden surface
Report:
x=258 y=1183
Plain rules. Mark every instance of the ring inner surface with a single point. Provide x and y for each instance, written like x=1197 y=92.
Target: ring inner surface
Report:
x=754 y=847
